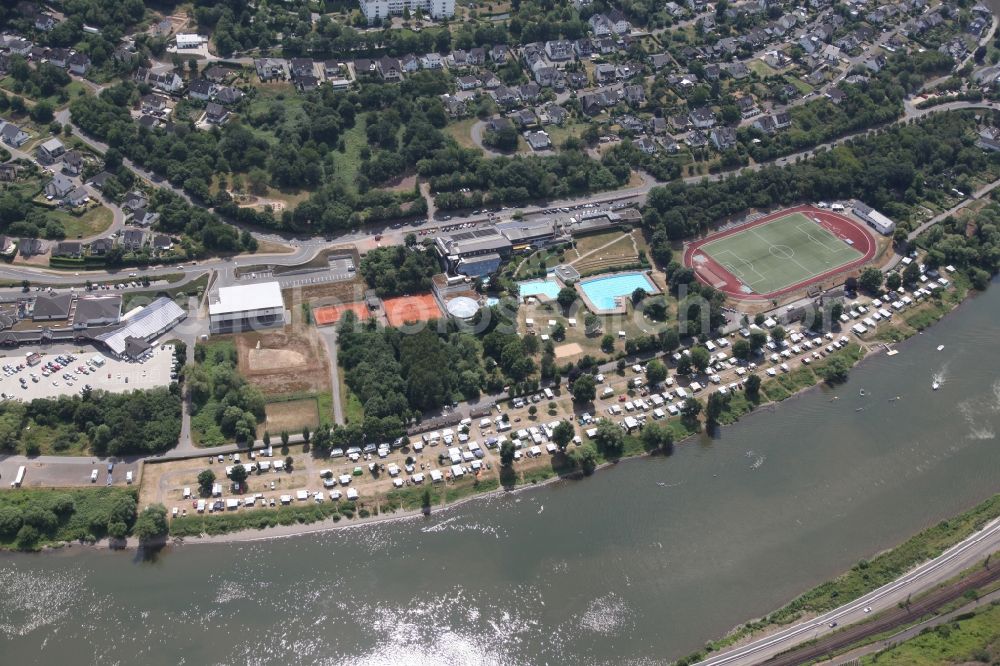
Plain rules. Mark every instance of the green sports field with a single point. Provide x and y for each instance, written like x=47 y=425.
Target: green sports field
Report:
x=778 y=254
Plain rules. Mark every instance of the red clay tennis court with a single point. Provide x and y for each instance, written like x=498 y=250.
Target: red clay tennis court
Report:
x=402 y=309
x=331 y=314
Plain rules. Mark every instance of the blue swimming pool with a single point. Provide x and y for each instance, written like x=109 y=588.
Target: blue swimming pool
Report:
x=548 y=287
x=602 y=291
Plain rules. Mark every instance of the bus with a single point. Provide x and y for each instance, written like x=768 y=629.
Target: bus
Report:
x=19 y=479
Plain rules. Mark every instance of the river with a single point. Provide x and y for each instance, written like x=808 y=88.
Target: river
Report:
x=641 y=563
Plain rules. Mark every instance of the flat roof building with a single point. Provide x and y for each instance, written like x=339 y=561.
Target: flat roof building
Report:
x=875 y=219
x=246 y=307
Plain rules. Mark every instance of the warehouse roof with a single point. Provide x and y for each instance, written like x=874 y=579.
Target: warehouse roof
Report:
x=246 y=298
x=152 y=320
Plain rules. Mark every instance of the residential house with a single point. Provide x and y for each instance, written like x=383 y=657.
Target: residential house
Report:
x=301 y=67
x=77 y=196
x=619 y=23
x=559 y=50
x=216 y=74
x=549 y=77
x=529 y=91
x=702 y=117
x=134 y=201
x=98 y=180
x=271 y=69
x=505 y=97
x=366 y=68
x=409 y=64
x=167 y=82
x=58 y=57
x=152 y=104
x=635 y=95
x=696 y=139
x=538 y=140
x=389 y=69
x=658 y=125
x=467 y=82
x=228 y=95
x=58 y=187
x=458 y=59
x=989 y=138
x=9 y=172
x=306 y=83
x=162 y=242
x=875 y=63
x=50 y=151
x=44 y=22
x=723 y=138
x=491 y=81
x=101 y=246
x=499 y=53
x=431 y=61
x=144 y=217
x=660 y=60
x=216 y=113
x=747 y=107
x=72 y=162
x=604 y=73
x=782 y=119
x=201 y=89
x=836 y=95
x=600 y=25
x=29 y=247
x=737 y=70
x=133 y=239
x=148 y=122
x=584 y=48
x=646 y=145
x=498 y=124
x=577 y=80
x=476 y=56
x=455 y=106
x=552 y=114
x=67 y=249
x=524 y=118
x=19 y=46
x=79 y=64
x=765 y=124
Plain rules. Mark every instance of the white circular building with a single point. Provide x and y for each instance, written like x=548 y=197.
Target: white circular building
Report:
x=463 y=307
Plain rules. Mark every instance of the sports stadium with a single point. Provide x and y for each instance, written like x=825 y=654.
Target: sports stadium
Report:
x=780 y=253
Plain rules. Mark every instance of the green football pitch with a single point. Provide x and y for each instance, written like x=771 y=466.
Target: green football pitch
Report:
x=780 y=253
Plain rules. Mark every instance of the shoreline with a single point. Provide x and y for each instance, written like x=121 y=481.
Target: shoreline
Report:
x=870 y=350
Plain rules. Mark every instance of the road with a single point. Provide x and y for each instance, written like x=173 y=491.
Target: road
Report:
x=329 y=336
x=921 y=579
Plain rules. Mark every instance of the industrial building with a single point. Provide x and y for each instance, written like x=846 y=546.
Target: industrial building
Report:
x=246 y=308
x=874 y=219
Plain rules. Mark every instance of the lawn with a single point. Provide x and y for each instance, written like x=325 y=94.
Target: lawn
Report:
x=761 y=68
x=461 y=131
x=801 y=85
x=92 y=222
x=781 y=253
x=289 y=415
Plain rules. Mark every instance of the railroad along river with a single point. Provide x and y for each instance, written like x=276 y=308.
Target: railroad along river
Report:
x=642 y=562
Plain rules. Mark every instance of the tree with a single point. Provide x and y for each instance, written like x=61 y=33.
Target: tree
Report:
x=608 y=343
x=289 y=463
x=911 y=274
x=716 y=404
x=151 y=523
x=670 y=341
x=238 y=474
x=892 y=281
x=752 y=387
x=741 y=350
x=566 y=297
x=563 y=434
x=836 y=370
x=871 y=280
x=656 y=372
x=638 y=294
x=610 y=438
x=206 y=479
x=684 y=365
x=532 y=411
x=778 y=334
x=584 y=389
x=691 y=409
x=700 y=358
x=410 y=239
x=592 y=324
x=657 y=436
x=267 y=438
x=284 y=438
x=757 y=340
x=305 y=434
x=585 y=456
x=507 y=453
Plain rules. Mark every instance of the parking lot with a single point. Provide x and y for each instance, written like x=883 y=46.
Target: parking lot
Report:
x=48 y=472
x=85 y=368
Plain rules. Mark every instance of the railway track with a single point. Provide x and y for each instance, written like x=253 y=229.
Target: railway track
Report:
x=885 y=621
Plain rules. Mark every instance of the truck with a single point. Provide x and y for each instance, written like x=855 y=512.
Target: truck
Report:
x=19 y=478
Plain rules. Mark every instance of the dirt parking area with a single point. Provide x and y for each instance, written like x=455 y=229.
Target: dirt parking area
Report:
x=101 y=372
x=280 y=362
x=68 y=473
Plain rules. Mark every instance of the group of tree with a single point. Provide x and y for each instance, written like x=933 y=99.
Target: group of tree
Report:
x=29 y=518
x=396 y=269
x=139 y=422
x=224 y=406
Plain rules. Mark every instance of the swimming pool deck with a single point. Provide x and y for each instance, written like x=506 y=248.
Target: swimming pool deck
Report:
x=621 y=300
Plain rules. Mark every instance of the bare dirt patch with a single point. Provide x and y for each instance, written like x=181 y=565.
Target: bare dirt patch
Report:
x=571 y=349
x=289 y=360
x=290 y=416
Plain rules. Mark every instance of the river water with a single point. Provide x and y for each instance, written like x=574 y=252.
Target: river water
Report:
x=641 y=563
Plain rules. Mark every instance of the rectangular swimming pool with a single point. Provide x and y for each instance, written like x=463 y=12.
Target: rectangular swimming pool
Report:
x=548 y=287
x=603 y=291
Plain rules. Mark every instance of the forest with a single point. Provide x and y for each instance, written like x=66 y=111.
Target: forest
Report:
x=224 y=407
x=893 y=170
x=396 y=270
x=31 y=518
x=140 y=422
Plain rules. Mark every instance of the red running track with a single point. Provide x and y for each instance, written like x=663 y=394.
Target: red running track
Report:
x=711 y=272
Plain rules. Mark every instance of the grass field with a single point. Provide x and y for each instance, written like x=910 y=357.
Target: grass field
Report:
x=975 y=639
x=780 y=253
